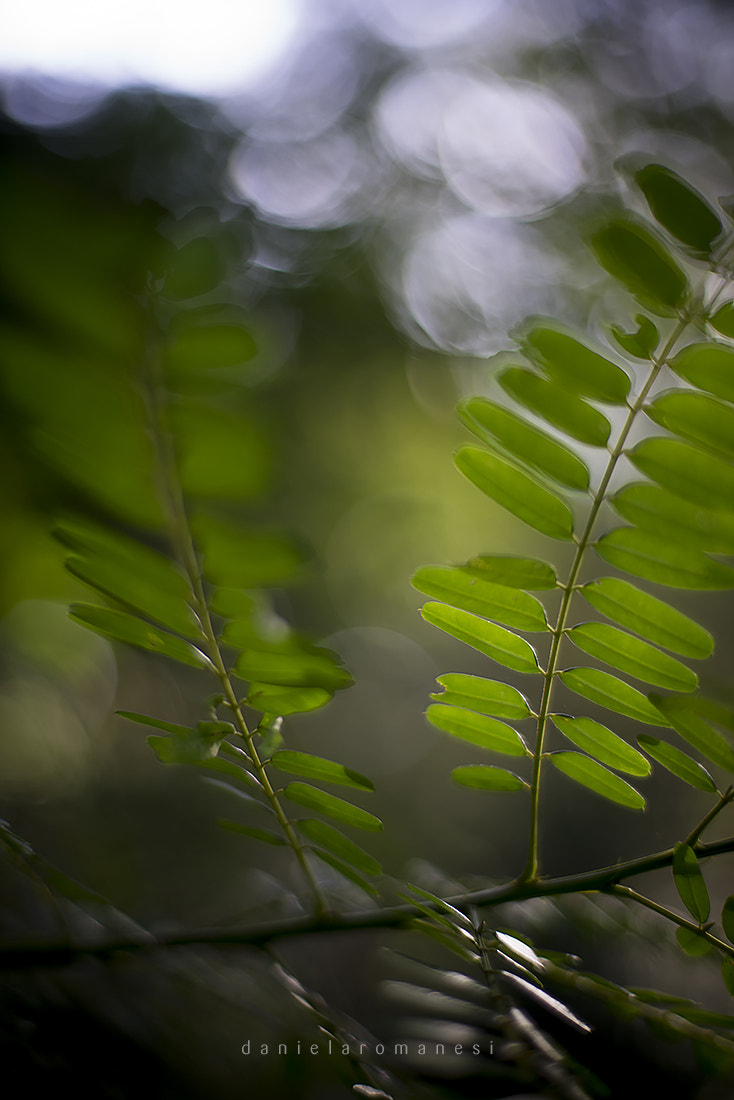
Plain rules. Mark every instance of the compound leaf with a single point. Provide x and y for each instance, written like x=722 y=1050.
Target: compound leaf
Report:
x=516 y=491
x=485 y=696
x=638 y=259
x=678 y=763
x=485 y=777
x=315 y=767
x=654 y=558
x=689 y=882
x=494 y=641
x=633 y=656
x=680 y=714
x=590 y=773
x=314 y=799
x=656 y=510
x=478 y=729
x=696 y=416
x=566 y=411
x=469 y=590
x=128 y=628
x=571 y=364
x=608 y=691
x=686 y=471
x=710 y=366
x=335 y=841
x=679 y=207
x=514 y=572
x=601 y=743
x=655 y=620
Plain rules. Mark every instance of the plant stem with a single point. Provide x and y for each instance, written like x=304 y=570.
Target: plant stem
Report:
x=530 y=872
x=182 y=543
x=662 y=911
x=600 y=880
x=724 y=800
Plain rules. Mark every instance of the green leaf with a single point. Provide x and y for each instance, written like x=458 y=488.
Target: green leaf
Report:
x=299 y=670
x=267 y=836
x=727 y=918
x=679 y=207
x=346 y=871
x=517 y=492
x=660 y=512
x=127 y=628
x=129 y=572
x=315 y=767
x=220 y=455
x=680 y=714
x=601 y=743
x=723 y=320
x=158 y=723
x=237 y=557
x=678 y=763
x=193 y=751
x=633 y=656
x=689 y=882
x=710 y=366
x=655 y=620
x=494 y=424
x=606 y=690
x=514 y=572
x=469 y=590
x=696 y=416
x=589 y=773
x=329 y=837
x=486 y=696
x=274 y=699
x=638 y=259
x=494 y=641
x=690 y=941
x=488 y=733
x=565 y=411
x=687 y=471
x=484 y=777
x=640 y=344
x=194 y=270
x=727 y=974
x=571 y=364
x=654 y=558
x=314 y=799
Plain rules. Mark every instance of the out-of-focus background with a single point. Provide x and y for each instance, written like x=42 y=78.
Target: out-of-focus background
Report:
x=391 y=187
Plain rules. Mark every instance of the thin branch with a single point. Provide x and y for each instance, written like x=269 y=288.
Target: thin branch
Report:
x=602 y=880
x=671 y=915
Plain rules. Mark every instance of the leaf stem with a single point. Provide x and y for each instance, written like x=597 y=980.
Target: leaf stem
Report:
x=724 y=800
x=530 y=871
x=669 y=914
x=182 y=542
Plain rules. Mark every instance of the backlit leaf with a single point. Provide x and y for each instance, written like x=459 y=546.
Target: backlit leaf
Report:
x=678 y=763
x=710 y=366
x=589 y=773
x=680 y=714
x=640 y=344
x=633 y=656
x=309 y=670
x=314 y=799
x=691 y=942
x=478 y=729
x=198 y=345
x=130 y=572
x=655 y=620
x=655 y=558
x=220 y=455
x=329 y=837
x=485 y=696
x=727 y=974
x=690 y=883
x=572 y=364
x=517 y=492
x=468 y=589
x=494 y=641
x=696 y=416
x=680 y=521
x=687 y=471
x=514 y=572
x=315 y=767
x=601 y=743
x=608 y=691
x=128 y=628
x=494 y=424
x=679 y=207
x=275 y=699
x=566 y=411
x=484 y=777
x=636 y=257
